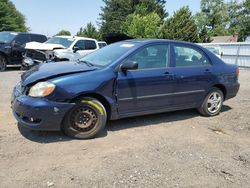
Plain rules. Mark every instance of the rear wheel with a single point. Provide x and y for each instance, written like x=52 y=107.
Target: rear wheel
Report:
x=85 y=120
x=212 y=104
x=3 y=63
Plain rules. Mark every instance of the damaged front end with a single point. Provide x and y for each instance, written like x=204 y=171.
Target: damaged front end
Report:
x=38 y=53
x=33 y=57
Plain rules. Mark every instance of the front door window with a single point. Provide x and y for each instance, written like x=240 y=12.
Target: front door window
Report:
x=151 y=57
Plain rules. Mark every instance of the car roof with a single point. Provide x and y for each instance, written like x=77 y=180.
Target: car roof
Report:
x=145 y=41
x=74 y=37
x=23 y=33
x=9 y=32
x=150 y=41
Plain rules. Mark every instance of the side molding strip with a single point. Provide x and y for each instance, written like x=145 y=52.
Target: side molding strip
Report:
x=162 y=95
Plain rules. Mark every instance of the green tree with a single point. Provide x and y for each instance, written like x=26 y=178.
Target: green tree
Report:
x=236 y=16
x=115 y=12
x=89 y=31
x=245 y=22
x=181 y=26
x=10 y=18
x=63 y=33
x=145 y=7
x=204 y=36
x=213 y=15
x=140 y=26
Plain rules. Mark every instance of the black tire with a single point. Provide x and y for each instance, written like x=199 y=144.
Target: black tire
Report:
x=3 y=63
x=212 y=108
x=85 y=120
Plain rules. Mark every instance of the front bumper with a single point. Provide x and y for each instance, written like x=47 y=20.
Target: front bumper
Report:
x=38 y=113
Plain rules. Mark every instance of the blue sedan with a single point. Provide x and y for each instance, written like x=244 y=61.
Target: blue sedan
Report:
x=125 y=79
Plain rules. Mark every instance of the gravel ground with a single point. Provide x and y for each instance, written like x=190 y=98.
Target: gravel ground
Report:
x=177 y=149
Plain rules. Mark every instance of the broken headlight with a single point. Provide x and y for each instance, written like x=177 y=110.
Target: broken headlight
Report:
x=42 y=89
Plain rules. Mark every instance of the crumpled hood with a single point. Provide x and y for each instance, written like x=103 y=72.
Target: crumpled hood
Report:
x=42 y=46
x=51 y=70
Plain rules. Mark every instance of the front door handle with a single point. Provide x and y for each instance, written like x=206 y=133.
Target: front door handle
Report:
x=169 y=75
x=207 y=71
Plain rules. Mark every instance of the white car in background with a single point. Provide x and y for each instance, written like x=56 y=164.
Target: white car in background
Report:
x=78 y=48
x=61 y=48
x=215 y=49
x=58 y=48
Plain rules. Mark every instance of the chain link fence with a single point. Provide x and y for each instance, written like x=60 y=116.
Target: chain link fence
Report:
x=233 y=53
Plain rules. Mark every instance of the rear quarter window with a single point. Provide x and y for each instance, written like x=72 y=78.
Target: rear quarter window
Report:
x=102 y=44
x=38 y=38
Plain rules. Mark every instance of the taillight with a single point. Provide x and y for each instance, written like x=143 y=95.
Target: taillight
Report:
x=237 y=72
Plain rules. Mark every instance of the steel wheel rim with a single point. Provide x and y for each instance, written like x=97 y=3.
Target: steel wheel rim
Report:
x=2 y=63
x=214 y=102
x=84 y=119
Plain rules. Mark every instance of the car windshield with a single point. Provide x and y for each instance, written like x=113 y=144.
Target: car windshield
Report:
x=214 y=50
x=7 y=37
x=108 y=54
x=66 y=42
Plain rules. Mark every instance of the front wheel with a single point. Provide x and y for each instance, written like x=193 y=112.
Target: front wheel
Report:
x=85 y=120
x=212 y=104
x=3 y=63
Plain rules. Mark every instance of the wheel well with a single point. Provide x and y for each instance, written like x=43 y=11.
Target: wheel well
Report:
x=2 y=54
x=222 y=88
x=100 y=98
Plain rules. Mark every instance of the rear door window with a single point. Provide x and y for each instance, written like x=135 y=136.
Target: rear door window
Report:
x=22 y=39
x=38 y=38
x=86 y=45
x=90 y=45
x=188 y=56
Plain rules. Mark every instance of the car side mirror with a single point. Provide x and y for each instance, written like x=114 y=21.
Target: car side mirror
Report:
x=129 y=65
x=221 y=53
x=75 y=49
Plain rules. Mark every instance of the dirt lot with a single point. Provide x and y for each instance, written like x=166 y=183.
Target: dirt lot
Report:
x=179 y=149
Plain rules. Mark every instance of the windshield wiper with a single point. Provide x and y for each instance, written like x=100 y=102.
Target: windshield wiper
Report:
x=87 y=63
